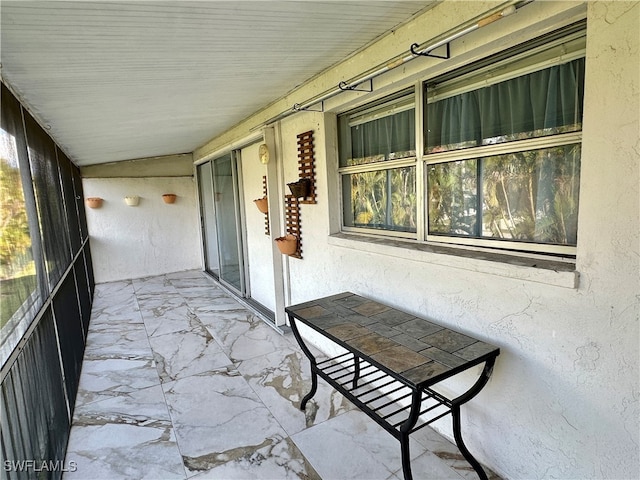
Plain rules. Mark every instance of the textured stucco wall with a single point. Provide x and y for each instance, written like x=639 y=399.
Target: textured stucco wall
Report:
x=259 y=245
x=563 y=399
x=150 y=239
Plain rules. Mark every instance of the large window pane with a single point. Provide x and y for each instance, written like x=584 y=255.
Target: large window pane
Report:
x=532 y=196
x=545 y=102
x=452 y=188
x=529 y=196
x=381 y=199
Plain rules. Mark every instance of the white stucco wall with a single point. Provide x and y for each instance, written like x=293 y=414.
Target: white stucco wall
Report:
x=150 y=239
x=563 y=399
x=259 y=247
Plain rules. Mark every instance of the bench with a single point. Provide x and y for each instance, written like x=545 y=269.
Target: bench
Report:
x=392 y=362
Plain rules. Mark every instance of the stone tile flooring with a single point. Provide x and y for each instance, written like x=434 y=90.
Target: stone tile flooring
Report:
x=179 y=380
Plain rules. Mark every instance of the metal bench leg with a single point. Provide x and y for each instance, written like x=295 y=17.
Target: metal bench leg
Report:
x=406 y=458
x=455 y=414
x=312 y=360
x=405 y=430
x=457 y=435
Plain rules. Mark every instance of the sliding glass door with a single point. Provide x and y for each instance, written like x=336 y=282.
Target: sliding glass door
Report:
x=221 y=220
x=208 y=219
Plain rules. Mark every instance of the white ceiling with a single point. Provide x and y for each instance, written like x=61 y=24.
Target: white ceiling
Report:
x=123 y=80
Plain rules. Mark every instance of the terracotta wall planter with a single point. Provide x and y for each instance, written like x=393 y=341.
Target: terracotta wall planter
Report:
x=288 y=245
x=262 y=204
x=94 y=202
x=169 y=197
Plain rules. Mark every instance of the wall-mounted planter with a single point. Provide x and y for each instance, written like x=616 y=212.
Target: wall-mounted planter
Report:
x=132 y=200
x=300 y=188
x=288 y=245
x=94 y=202
x=262 y=204
x=169 y=197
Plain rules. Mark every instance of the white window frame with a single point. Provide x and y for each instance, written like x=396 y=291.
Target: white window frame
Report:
x=556 y=54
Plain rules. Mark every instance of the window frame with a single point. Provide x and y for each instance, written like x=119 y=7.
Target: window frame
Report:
x=550 y=48
x=383 y=165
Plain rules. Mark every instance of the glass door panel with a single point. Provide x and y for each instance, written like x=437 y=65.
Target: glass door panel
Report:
x=209 y=233
x=227 y=208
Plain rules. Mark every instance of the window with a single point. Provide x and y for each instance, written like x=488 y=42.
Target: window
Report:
x=378 y=157
x=501 y=157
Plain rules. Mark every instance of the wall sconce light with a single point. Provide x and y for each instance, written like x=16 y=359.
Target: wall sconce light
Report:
x=132 y=200
x=94 y=202
x=169 y=197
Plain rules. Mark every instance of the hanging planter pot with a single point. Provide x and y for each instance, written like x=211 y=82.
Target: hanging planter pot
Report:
x=262 y=204
x=288 y=245
x=169 y=197
x=132 y=200
x=300 y=188
x=94 y=202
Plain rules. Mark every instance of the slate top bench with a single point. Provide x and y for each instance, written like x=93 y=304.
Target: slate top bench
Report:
x=391 y=361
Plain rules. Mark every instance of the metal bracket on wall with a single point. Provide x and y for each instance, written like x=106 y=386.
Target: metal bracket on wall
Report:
x=297 y=107
x=446 y=56
x=345 y=87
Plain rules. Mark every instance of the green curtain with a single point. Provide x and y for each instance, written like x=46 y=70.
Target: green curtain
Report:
x=519 y=108
x=383 y=136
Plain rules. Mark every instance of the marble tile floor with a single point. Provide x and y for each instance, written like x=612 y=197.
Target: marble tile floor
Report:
x=180 y=381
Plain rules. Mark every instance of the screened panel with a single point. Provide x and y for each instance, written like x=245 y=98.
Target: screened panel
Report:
x=46 y=179
x=35 y=424
x=19 y=265
x=79 y=193
x=70 y=203
x=381 y=199
x=70 y=332
x=84 y=295
x=545 y=102
x=89 y=268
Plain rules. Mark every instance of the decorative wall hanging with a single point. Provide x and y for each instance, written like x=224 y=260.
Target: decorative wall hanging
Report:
x=169 y=197
x=292 y=218
x=300 y=188
x=94 y=202
x=267 y=230
x=132 y=200
x=306 y=165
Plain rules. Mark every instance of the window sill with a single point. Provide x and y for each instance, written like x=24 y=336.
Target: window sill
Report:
x=539 y=270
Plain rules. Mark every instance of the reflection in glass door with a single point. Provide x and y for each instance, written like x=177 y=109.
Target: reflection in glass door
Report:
x=207 y=215
x=219 y=182
x=227 y=206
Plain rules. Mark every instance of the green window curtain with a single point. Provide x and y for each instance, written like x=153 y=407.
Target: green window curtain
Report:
x=384 y=138
x=541 y=103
